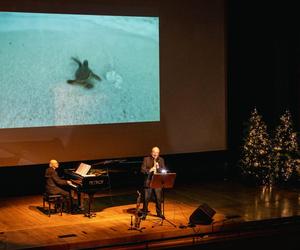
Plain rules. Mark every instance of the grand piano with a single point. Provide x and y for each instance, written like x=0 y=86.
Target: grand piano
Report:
x=96 y=179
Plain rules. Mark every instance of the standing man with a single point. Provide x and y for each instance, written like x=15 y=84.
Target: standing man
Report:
x=152 y=164
x=55 y=184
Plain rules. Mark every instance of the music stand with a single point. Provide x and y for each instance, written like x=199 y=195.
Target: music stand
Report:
x=163 y=180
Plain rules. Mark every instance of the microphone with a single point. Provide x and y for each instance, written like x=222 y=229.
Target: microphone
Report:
x=155 y=167
x=156 y=164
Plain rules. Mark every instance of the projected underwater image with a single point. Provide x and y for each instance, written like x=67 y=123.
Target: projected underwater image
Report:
x=59 y=69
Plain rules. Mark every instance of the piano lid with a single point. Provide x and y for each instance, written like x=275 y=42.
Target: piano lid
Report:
x=108 y=162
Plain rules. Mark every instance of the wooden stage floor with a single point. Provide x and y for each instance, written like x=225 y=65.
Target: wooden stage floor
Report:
x=23 y=224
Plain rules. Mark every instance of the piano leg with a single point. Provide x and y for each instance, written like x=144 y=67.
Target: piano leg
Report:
x=90 y=214
x=79 y=199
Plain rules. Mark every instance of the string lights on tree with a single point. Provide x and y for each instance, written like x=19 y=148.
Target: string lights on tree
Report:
x=256 y=160
x=285 y=146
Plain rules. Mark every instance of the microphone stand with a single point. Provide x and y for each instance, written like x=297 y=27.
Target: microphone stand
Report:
x=163 y=183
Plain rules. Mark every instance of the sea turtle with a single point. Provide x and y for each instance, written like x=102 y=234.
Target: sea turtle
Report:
x=83 y=74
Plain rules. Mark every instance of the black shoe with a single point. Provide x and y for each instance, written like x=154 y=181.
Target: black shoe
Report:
x=143 y=217
x=161 y=216
x=77 y=210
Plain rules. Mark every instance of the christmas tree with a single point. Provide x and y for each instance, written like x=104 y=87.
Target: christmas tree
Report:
x=285 y=149
x=256 y=160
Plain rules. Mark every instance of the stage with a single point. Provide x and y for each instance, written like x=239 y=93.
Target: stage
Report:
x=241 y=211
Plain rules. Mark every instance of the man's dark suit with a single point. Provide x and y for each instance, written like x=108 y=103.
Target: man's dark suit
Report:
x=148 y=163
x=54 y=183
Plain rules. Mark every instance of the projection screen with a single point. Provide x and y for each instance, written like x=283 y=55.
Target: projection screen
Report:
x=110 y=84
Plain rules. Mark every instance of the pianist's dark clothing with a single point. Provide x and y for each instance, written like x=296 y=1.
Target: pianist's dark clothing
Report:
x=54 y=183
x=148 y=163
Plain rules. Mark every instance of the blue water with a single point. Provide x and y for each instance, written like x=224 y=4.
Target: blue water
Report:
x=35 y=63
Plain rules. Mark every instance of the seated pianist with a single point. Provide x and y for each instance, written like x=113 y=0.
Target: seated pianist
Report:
x=57 y=185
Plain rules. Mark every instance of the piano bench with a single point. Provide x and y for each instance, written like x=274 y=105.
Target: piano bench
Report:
x=56 y=199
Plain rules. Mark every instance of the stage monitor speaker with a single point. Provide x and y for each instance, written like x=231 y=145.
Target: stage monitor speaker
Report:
x=203 y=215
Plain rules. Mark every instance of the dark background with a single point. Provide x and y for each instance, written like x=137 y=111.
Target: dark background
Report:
x=263 y=65
x=262 y=47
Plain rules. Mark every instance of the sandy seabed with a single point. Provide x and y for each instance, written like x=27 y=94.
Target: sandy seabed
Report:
x=36 y=63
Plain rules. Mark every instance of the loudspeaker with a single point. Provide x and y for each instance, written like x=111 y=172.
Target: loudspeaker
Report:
x=202 y=215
